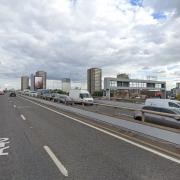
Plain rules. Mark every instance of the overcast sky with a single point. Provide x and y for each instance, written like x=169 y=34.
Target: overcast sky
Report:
x=65 y=37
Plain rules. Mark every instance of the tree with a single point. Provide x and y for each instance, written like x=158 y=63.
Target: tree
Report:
x=59 y=91
x=178 y=97
x=98 y=94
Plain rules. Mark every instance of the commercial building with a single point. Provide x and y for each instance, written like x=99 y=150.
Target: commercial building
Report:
x=42 y=74
x=124 y=87
x=66 y=84
x=94 y=80
x=177 y=88
x=24 y=82
x=178 y=85
x=32 y=82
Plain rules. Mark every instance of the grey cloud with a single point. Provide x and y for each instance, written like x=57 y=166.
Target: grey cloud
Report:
x=68 y=40
x=163 y=5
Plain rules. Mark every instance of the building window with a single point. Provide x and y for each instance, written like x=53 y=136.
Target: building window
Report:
x=137 y=85
x=113 y=83
x=158 y=86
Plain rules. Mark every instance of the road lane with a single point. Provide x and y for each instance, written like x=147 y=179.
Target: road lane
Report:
x=89 y=154
x=26 y=160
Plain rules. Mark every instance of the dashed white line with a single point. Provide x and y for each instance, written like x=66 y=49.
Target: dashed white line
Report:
x=60 y=166
x=22 y=116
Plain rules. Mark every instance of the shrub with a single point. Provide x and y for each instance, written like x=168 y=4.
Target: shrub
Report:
x=178 y=97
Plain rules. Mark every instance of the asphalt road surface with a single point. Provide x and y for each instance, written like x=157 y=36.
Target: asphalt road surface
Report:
x=40 y=144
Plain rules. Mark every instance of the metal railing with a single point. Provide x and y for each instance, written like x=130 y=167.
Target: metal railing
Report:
x=175 y=116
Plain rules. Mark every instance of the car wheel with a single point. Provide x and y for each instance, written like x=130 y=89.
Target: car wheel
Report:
x=139 y=118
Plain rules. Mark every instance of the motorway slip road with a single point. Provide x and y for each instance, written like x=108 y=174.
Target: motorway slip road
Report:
x=40 y=144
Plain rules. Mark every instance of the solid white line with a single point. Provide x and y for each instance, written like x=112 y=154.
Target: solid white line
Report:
x=60 y=166
x=111 y=134
x=22 y=116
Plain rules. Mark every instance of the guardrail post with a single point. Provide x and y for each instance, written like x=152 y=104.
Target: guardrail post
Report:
x=143 y=118
x=115 y=111
x=96 y=108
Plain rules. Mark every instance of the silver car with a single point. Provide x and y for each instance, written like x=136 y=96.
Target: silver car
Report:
x=158 y=119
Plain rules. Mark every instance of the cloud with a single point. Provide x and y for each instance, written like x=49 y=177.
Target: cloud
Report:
x=66 y=37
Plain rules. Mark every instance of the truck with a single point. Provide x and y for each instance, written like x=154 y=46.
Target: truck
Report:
x=81 y=96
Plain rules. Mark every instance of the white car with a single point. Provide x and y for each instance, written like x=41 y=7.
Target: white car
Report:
x=33 y=94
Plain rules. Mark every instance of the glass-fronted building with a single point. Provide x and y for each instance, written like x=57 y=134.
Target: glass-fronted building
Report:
x=124 y=86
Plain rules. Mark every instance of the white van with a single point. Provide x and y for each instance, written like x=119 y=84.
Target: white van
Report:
x=81 y=96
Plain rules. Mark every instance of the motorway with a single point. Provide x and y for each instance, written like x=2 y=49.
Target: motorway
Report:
x=38 y=143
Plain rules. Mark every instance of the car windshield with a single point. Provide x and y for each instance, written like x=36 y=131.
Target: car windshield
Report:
x=85 y=95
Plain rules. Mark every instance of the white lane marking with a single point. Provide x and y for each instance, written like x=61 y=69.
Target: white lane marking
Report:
x=113 y=135
x=3 y=142
x=14 y=106
x=60 y=166
x=22 y=116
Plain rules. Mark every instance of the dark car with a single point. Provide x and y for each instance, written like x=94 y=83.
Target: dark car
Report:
x=12 y=94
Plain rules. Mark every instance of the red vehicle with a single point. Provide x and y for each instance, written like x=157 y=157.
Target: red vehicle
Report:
x=1 y=92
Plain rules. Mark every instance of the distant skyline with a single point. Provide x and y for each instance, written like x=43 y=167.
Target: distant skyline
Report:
x=65 y=38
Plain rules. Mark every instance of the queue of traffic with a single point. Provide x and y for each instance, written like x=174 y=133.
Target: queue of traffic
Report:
x=75 y=96
x=171 y=107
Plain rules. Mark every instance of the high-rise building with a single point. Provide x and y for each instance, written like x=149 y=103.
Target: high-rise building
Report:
x=32 y=82
x=94 y=83
x=24 y=82
x=178 y=85
x=66 y=84
x=42 y=74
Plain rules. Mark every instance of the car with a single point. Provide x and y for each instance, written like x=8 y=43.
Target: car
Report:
x=33 y=94
x=1 y=92
x=12 y=94
x=26 y=92
x=62 y=98
x=166 y=103
x=65 y=100
x=160 y=106
x=55 y=96
x=42 y=93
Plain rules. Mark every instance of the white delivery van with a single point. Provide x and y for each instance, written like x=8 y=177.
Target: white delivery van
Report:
x=81 y=96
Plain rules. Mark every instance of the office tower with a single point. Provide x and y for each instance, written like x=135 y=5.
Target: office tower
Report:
x=42 y=74
x=32 y=82
x=94 y=76
x=24 y=82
